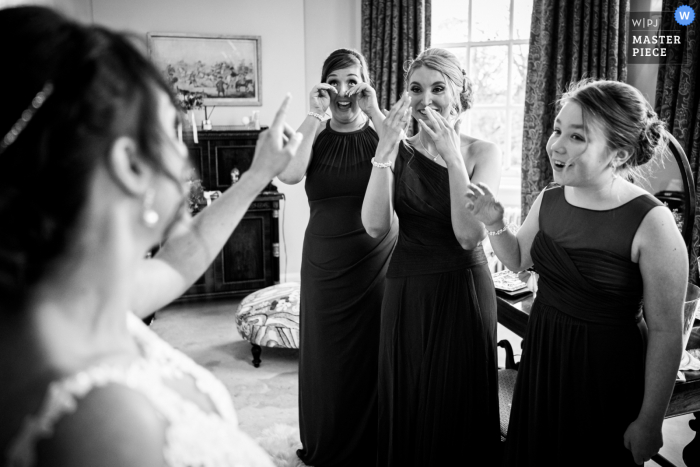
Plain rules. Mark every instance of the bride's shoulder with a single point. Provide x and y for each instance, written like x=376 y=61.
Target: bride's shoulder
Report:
x=112 y=425
x=76 y=421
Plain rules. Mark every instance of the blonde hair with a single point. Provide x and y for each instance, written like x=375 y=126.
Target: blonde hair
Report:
x=445 y=62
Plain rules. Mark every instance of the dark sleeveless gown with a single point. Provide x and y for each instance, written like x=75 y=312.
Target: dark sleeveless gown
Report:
x=342 y=284
x=438 y=388
x=581 y=377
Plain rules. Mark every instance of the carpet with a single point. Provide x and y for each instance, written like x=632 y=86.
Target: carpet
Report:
x=267 y=398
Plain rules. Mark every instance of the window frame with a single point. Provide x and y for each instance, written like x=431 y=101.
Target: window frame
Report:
x=509 y=107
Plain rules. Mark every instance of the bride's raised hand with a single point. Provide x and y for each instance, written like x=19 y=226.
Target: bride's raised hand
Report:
x=394 y=127
x=366 y=98
x=484 y=206
x=320 y=98
x=444 y=134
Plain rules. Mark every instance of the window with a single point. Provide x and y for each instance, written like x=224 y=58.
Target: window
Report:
x=491 y=40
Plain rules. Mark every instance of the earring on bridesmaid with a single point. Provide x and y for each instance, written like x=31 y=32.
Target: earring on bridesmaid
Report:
x=149 y=216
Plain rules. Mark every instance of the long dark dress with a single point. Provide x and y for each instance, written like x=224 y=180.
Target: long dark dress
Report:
x=581 y=377
x=342 y=284
x=438 y=389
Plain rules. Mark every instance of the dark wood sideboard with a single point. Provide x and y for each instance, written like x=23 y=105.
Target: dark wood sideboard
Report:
x=250 y=260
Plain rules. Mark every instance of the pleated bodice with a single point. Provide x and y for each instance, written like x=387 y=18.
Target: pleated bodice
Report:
x=584 y=350
x=342 y=284
x=581 y=261
x=427 y=243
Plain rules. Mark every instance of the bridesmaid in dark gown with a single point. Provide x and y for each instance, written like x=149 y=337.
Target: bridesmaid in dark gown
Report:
x=597 y=369
x=342 y=272
x=438 y=389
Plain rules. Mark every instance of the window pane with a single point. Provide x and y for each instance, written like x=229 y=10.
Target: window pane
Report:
x=521 y=19
x=489 y=125
x=461 y=54
x=491 y=20
x=489 y=74
x=450 y=21
x=519 y=72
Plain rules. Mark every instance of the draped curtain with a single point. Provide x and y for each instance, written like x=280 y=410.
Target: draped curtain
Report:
x=678 y=98
x=568 y=41
x=393 y=31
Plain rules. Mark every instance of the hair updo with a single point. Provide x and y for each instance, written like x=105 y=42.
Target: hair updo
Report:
x=626 y=118
x=103 y=88
x=344 y=58
x=458 y=84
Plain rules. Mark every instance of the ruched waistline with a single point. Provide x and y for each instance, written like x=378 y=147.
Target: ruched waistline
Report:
x=419 y=259
x=620 y=314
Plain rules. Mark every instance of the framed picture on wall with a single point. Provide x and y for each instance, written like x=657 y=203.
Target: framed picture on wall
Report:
x=224 y=70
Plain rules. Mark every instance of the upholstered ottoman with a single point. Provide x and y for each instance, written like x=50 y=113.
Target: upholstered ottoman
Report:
x=270 y=317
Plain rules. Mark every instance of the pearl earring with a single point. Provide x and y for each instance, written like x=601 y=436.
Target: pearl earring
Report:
x=149 y=216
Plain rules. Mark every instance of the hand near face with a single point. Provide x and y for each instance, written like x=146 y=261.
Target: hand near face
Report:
x=366 y=98
x=276 y=146
x=319 y=98
x=394 y=126
x=444 y=134
x=484 y=206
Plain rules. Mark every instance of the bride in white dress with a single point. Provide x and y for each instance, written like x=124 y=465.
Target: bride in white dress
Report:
x=92 y=179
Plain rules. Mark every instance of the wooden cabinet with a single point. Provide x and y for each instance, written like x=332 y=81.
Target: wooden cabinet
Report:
x=250 y=258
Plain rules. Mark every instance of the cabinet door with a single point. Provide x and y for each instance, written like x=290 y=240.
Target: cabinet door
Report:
x=246 y=262
x=225 y=155
x=199 y=160
x=203 y=286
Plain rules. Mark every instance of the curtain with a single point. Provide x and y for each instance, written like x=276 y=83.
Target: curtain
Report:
x=678 y=98
x=568 y=41
x=393 y=31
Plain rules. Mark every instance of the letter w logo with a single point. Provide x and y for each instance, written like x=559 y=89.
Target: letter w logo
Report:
x=684 y=15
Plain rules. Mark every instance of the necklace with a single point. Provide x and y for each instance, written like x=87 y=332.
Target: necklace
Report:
x=426 y=149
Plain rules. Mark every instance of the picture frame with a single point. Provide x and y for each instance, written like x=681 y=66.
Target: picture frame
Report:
x=225 y=69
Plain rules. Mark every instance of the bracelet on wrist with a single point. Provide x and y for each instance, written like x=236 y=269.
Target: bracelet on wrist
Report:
x=495 y=233
x=314 y=114
x=381 y=165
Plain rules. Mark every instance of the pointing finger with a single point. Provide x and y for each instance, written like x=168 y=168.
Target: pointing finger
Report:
x=278 y=121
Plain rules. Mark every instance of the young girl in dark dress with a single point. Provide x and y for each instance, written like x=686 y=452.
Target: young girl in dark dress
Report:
x=437 y=357
x=597 y=368
x=343 y=269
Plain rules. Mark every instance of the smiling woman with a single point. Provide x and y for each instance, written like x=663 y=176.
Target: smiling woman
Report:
x=602 y=247
x=343 y=268
x=437 y=350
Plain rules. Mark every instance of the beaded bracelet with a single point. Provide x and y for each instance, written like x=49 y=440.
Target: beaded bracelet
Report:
x=381 y=165
x=497 y=232
x=314 y=114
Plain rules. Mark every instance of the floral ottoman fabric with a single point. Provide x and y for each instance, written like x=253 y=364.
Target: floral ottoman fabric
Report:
x=270 y=316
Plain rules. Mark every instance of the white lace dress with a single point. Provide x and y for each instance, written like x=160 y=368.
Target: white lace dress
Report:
x=194 y=437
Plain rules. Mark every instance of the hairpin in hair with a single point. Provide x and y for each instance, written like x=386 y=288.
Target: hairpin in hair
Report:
x=27 y=115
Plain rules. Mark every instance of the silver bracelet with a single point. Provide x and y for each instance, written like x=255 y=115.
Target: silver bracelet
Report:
x=500 y=231
x=381 y=165
x=314 y=114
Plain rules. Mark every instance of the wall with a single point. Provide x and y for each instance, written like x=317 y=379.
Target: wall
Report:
x=297 y=35
x=329 y=25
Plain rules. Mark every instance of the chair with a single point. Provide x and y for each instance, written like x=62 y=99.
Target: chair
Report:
x=270 y=318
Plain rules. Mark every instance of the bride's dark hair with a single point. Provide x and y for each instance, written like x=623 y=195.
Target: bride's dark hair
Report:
x=103 y=88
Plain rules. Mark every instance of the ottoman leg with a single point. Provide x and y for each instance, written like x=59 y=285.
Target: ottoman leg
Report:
x=256 y=350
